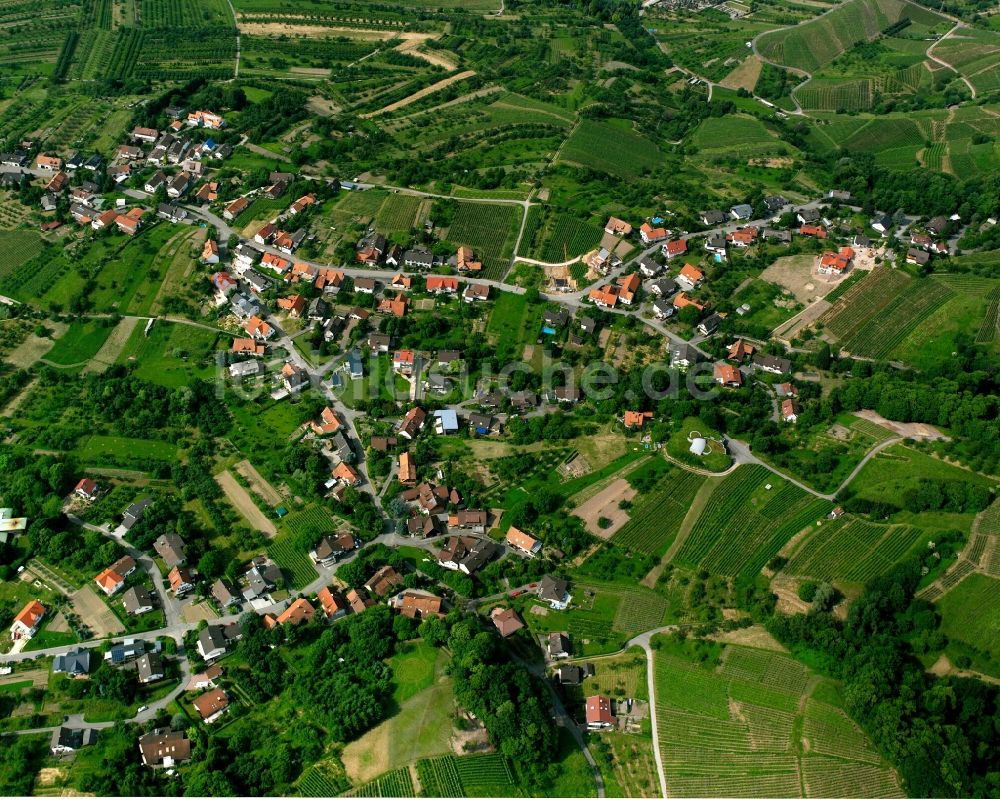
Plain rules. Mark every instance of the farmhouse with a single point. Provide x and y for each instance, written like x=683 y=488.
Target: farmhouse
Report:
x=605 y=296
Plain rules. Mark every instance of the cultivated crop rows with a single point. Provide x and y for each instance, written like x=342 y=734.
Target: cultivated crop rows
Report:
x=978 y=548
x=315 y=783
x=394 y=783
x=871 y=429
x=852 y=549
x=569 y=238
x=439 y=777
x=486 y=775
x=738 y=533
x=987 y=332
x=890 y=326
x=989 y=520
x=722 y=733
x=855 y=95
x=609 y=149
x=293 y=562
x=863 y=301
x=487 y=229
x=656 y=519
x=828 y=777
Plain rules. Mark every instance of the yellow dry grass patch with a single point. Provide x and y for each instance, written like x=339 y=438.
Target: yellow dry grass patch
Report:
x=745 y=75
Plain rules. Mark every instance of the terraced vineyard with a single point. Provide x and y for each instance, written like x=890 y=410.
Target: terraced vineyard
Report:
x=748 y=729
x=892 y=323
x=655 y=520
x=612 y=149
x=490 y=230
x=746 y=523
x=568 y=238
x=393 y=783
x=853 y=549
x=862 y=301
x=975 y=53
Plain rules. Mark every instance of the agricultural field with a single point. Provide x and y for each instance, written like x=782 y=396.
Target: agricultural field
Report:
x=396 y=783
x=745 y=135
x=811 y=45
x=863 y=301
x=753 y=513
x=80 y=343
x=656 y=518
x=470 y=775
x=970 y=617
x=742 y=723
x=566 y=237
x=19 y=246
x=294 y=563
x=852 y=550
x=975 y=54
x=173 y=354
x=490 y=230
x=398 y=214
x=611 y=148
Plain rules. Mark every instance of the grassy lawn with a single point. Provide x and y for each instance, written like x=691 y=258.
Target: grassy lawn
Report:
x=80 y=343
x=414 y=669
x=102 y=448
x=45 y=638
x=395 y=742
x=172 y=354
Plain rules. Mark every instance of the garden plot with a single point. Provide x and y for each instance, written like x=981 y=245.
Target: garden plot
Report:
x=244 y=503
x=605 y=505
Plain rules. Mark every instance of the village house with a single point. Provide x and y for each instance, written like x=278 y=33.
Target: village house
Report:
x=663 y=309
x=385 y=579
x=522 y=542
x=617 y=227
x=299 y=612
x=628 y=286
x=137 y=600
x=557 y=646
x=789 y=410
x=554 y=591
x=598 y=714
x=112 y=579
x=772 y=364
x=301 y=204
x=664 y=287
x=370 y=250
x=740 y=350
x=807 y=216
x=87 y=489
x=674 y=249
x=332 y=603
x=214 y=640
x=346 y=474
x=164 y=747
x=74 y=663
x=476 y=293
x=466 y=554
x=226 y=593
x=636 y=419
x=170 y=547
x=713 y=217
x=66 y=740
x=648 y=267
x=412 y=422
x=27 y=622
x=417 y=604
x=743 y=238
x=332 y=547
x=727 y=375
x=182 y=580
x=211 y=705
x=690 y=277
x=49 y=163
x=418 y=259
x=506 y=621
x=710 y=324
x=442 y=284
x=149 y=668
x=235 y=208
x=465 y=260
x=815 y=231
x=652 y=235
x=917 y=257
x=835 y=263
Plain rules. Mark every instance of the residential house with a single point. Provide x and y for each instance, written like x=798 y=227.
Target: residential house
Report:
x=370 y=250
x=465 y=260
x=332 y=603
x=66 y=740
x=674 y=248
x=210 y=252
x=359 y=600
x=211 y=705
x=332 y=547
x=574 y=675
x=57 y=183
x=164 y=747
x=917 y=257
x=412 y=422
x=636 y=419
x=470 y=519
x=299 y=612
x=465 y=553
x=835 y=263
x=598 y=714
x=301 y=204
x=815 y=231
x=690 y=277
x=741 y=212
x=652 y=235
x=205 y=119
x=712 y=217
x=789 y=410
x=744 y=237
x=400 y=282
x=112 y=579
x=27 y=622
x=235 y=208
x=567 y=394
x=147 y=135
x=87 y=489
x=783 y=390
x=179 y=185
x=171 y=212
x=648 y=267
x=664 y=287
x=739 y=350
x=134 y=512
x=682 y=300
x=521 y=541
x=246 y=369
x=247 y=346
x=104 y=220
x=442 y=284
x=772 y=364
x=418 y=259
x=445 y=419
x=716 y=244
x=181 y=580
x=663 y=309
x=558 y=646
x=226 y=593
x=207 y=192
x=49 y=163
x=710 y=324
x=774 y=203
x=554 y=591
x=383 y=581
x=780 y=236
x=346 y=474
x=600 y=260
x=506 y=621
x=150 y=668
x=258 y=329
x=396 y=307
x=416 y=604
x=137 y=600
x=403 y=361
x=882 y=223
x=213 y=642
x=170 y=547
x=617 y=227
x=937 y=226
x=294 y=305
x=246 y=255
x=125 y=651
x=204 y=679
x=275 y=262
x=604 y=296
x=74 y=663
x=726 y=374
x=807 y=216
x=476 y=293
x=154 y=182
x=628 y=286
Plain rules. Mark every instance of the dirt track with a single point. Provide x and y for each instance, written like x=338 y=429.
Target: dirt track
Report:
x=244 y=503
x=258 y=484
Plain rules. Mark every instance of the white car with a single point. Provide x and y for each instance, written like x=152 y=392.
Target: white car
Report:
x=142 y=709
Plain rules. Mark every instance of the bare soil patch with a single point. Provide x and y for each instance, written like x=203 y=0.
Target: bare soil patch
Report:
x=258 y=484
x=755 y=636
x=786 y=588
x=95 y=614
x=411 y=46
x=244 y=503
x=19 y=398
x=38 y=677
x=196 y=611
x=745 y=75
x=322 y=107
x=605 y=504
x=797 y=273
x=904 y=429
